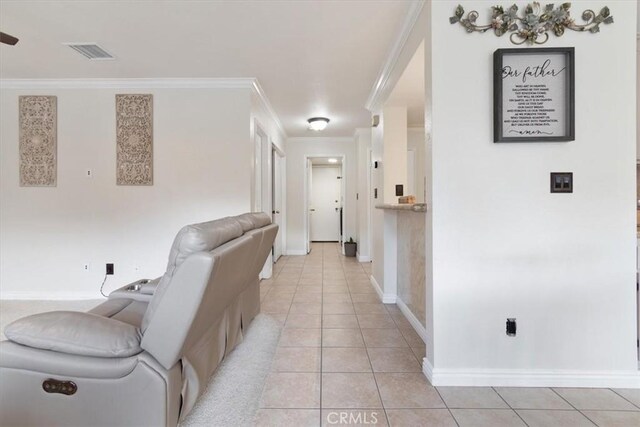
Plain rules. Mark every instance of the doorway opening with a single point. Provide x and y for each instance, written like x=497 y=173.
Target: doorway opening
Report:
x=324 y=199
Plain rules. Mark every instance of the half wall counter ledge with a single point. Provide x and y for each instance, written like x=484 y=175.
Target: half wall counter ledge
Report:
x=415 y=207
x=405 y=261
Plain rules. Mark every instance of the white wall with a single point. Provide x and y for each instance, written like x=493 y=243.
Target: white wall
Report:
x=363 y=217
x=202 y=160
x=424 y=25
x=503 y=246
x=416 y=143
x=377 y=215
x=394 y=157
x=297 y=149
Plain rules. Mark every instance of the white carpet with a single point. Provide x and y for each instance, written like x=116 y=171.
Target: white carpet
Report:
x=233 y=394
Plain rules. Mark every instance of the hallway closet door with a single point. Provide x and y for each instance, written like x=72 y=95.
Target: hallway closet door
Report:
x=325 y=203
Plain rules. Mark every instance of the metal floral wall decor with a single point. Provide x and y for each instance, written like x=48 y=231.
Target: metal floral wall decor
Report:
x=134 y=139
x=535 y=24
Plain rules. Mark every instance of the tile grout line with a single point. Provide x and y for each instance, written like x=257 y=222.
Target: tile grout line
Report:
x=571 y=404
x=455 y=420
x=366 y=350
x=264 y=386
x=510 y=407
x=404 y=338
x=624 y=398
x=384 y=408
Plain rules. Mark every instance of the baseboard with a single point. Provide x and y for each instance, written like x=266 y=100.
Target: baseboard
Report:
x=296 y=252
x=427 y=369
x=419 y=327
x=363 y=258
x=529 y=378
x=49 y=296
x=385 y=298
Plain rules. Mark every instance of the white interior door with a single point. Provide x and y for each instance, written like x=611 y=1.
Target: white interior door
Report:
x=276 y=194
x=325 y=204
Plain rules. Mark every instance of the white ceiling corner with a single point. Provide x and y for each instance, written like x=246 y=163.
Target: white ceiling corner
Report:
x=268 y=107
x=380 y=85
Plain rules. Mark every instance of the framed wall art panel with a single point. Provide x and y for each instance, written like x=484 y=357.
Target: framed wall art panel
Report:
x=134 y=139
x=534 y=95
x=38 y=144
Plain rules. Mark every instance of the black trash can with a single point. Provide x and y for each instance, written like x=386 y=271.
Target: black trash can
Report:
x=350 y=248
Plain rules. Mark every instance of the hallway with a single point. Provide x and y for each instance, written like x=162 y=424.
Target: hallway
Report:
x=346 y=359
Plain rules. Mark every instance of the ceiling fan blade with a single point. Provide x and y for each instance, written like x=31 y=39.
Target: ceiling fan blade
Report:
x=7 y=39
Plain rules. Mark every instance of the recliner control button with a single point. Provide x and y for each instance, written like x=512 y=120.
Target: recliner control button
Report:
x=61 y=387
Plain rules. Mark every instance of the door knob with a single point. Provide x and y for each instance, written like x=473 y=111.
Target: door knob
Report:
x=312 y=210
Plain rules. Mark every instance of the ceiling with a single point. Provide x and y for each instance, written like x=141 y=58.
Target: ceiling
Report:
x=324 y=161
x=313 y=58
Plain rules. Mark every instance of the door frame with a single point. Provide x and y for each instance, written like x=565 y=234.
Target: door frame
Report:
x=343 y=193
x=278 y=163
x=262 y=158
x=261 y=169
x=370 y=201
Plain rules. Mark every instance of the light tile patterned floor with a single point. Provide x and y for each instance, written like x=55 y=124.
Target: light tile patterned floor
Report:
x=346 y=359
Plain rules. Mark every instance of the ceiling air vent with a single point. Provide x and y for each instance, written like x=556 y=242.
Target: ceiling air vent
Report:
x=90 y=50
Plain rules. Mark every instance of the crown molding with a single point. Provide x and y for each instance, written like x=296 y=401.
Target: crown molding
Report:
x=259 y=92
x=165 y=83
x=392 y=58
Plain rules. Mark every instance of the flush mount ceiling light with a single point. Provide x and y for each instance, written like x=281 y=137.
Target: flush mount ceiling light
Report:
x=332 y=160
x=317 y=123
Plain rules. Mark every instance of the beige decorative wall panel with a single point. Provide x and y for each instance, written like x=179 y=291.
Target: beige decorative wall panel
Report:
x=134 y=139
x=38 y=141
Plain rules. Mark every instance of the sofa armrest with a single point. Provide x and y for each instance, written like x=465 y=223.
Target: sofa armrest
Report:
x=72 y=332
x=140 y=290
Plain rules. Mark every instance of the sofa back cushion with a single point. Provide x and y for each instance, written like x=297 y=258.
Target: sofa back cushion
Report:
x=252 y=220
x=196 y=298
x=202 y=237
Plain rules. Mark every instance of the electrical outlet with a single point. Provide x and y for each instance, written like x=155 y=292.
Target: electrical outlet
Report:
x=86 y=267
x=109 y=269
x=89 y=173
x=511 y=327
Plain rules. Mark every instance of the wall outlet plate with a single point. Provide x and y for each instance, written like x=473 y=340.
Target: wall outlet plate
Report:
x=511 y=327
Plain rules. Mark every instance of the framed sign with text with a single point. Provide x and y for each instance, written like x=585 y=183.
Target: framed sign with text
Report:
x=533 y=95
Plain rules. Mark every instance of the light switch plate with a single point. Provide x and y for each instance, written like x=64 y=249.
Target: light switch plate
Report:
x=562 y=182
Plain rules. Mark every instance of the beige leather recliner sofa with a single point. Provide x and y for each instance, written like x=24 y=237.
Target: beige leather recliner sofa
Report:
x=145 y=355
